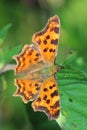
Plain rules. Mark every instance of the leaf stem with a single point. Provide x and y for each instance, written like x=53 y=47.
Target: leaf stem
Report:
x=7 y=68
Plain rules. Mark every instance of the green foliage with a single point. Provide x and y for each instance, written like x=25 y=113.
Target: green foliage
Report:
x=3 y=33
x=8 y=54
x=72 y=78
x=73 y=94
x=5 y=53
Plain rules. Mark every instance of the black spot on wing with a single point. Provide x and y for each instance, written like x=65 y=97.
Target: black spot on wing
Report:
x=45 y=42
x=23 y=58
x=52 y=86
x=47 y=37
x=54 y=41
x=36 y=59
x=37 y=54
x=36 y=84
x=39 y=99
x=30 y=85
x=45 y=49
x=39 y=41
x=52 y=50
x=37 y=88
x=55 y=93
x=45 y=89
x=55 y=105
x=48 y=101
x=45 y=97
x=56 y=29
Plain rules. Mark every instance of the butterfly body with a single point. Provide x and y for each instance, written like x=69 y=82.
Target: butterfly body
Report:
x=36 y=65
x=48 y=70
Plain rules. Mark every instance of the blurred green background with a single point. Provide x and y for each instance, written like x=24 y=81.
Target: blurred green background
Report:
x=28 y=17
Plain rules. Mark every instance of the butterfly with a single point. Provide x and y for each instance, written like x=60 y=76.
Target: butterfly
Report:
x=36 y=70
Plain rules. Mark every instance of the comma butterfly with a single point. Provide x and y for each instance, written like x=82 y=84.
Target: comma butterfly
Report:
x=35 y=65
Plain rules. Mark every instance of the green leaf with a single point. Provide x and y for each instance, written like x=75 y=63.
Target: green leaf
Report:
x=3 y=33
x=73 y=97
x=10 y=53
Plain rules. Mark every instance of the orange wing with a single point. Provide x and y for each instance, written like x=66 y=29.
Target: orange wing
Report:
x=47 y=39
x=27 y=89
x=48 y=100
x=29 y=59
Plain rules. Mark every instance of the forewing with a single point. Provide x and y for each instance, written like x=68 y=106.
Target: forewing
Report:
x=48 y=99
x=47 y=39
x=28 y=60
